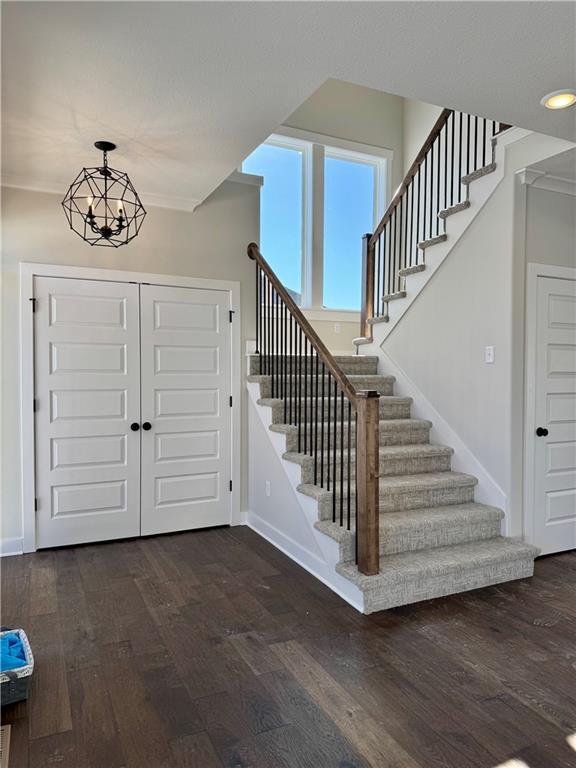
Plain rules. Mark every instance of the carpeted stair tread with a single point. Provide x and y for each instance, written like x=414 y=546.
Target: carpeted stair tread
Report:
x=413 y=576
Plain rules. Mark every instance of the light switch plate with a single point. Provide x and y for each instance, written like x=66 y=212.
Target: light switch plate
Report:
x=489 y=355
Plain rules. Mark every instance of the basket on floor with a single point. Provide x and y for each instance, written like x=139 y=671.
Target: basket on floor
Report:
x=14 y=683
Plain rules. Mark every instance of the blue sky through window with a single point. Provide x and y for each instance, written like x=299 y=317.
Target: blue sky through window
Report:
x=281 y=210
x=348 y=214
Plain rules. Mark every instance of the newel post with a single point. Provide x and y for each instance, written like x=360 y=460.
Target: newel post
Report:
x=367 y=487
x=367 y=306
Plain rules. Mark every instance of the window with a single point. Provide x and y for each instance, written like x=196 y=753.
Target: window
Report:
x=349 y=208
x=281 y=212
x=318 y=199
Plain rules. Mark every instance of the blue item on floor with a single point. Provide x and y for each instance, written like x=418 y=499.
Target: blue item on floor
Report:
x=12 y=653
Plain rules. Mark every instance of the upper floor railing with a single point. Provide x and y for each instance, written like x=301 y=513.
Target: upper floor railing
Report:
x=459 y=148
x=337 y=426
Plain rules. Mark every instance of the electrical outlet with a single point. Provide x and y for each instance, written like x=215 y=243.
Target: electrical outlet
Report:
x=337 y=327
x=489 y=355
x=267 y=487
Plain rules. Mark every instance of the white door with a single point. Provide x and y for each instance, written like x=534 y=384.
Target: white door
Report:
x=186 y=390
x=87 y=386
x=555 y=429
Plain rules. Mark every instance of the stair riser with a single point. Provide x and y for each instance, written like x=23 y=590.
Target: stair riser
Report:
x=280 y=415
x=415 y=590
x=395 y=502
x=396 y=437
x=426 y=538
x=356 y=366
x=387 y=467
x=306 y=386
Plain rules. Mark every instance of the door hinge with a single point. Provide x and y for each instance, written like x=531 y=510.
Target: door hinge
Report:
x=34 y=307
x=35 y=505
x=231 y=315
x=230 y=486
x=35 y=406
x=230 y=401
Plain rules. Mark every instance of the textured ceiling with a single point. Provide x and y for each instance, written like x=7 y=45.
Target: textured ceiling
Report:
x=188 y=89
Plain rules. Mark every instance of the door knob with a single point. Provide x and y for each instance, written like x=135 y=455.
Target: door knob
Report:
x=146 y=426
x=542 y=432
x=134 y=426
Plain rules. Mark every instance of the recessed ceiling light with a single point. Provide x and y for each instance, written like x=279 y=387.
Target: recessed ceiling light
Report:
x=559 y=99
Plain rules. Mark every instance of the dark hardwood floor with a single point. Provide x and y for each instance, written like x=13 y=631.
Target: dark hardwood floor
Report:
x=212 y=649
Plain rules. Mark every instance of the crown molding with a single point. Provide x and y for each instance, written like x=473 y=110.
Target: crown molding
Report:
x=542 y=180
x=172 y=202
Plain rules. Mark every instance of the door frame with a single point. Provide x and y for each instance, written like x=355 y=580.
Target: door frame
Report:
x=28 y=271
x=533 y=272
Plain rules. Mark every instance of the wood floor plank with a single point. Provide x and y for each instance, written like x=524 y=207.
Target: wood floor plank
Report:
x=49 y=705
x=367 y=735
x=195 y=751
x=211 y=649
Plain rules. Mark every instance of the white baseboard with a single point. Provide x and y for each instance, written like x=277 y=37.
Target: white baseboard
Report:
x=10 y=547
x=303 y=557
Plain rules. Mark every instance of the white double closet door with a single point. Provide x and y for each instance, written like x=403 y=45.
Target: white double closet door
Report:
x=133 y=418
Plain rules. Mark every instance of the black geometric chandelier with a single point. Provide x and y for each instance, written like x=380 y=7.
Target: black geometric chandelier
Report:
x=102 y=205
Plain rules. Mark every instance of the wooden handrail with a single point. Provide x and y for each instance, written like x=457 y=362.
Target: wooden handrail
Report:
x=322 y=351
x=412 y=171
x=364 y=403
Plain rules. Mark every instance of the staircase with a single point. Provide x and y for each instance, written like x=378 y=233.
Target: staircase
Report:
x=434 y=539
x=406 y=527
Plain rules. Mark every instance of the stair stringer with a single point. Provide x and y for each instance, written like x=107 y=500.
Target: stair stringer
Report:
x=321 y=553
x=479 y=192
x=488 y=491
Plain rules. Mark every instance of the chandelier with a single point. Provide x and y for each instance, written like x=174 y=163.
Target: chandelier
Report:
x=102 y=205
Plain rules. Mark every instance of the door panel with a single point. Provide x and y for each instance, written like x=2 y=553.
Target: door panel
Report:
x=555 y=453
x=186 y=387
x=87 y=383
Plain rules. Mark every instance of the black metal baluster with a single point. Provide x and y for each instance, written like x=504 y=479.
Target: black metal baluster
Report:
x=349 y=441
x=292 y=369
x=299 y=389
x=431 y=200
x=258 y=344
x=341 y=458
x=405 y=254
x=317 y=366
x=475 y=143
x=328 y=425
x=287 y=363
x=411 y=221
x=334 y=452
x=468 y=144
x=269 y=361
x=437 y=206
x=322 y=412
x=378 y=256
x=418 y=218
x=459 y=187
x=483 y=141
x=394 y=251
x=425 y=192
x=306 y=372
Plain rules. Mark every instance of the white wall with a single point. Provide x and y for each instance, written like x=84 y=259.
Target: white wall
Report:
x=475 y=299
x=550 y=227
x=417 y=121
x=211 y=242
x=355 y=113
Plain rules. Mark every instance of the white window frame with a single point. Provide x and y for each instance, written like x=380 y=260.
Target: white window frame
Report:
x=315 y=147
